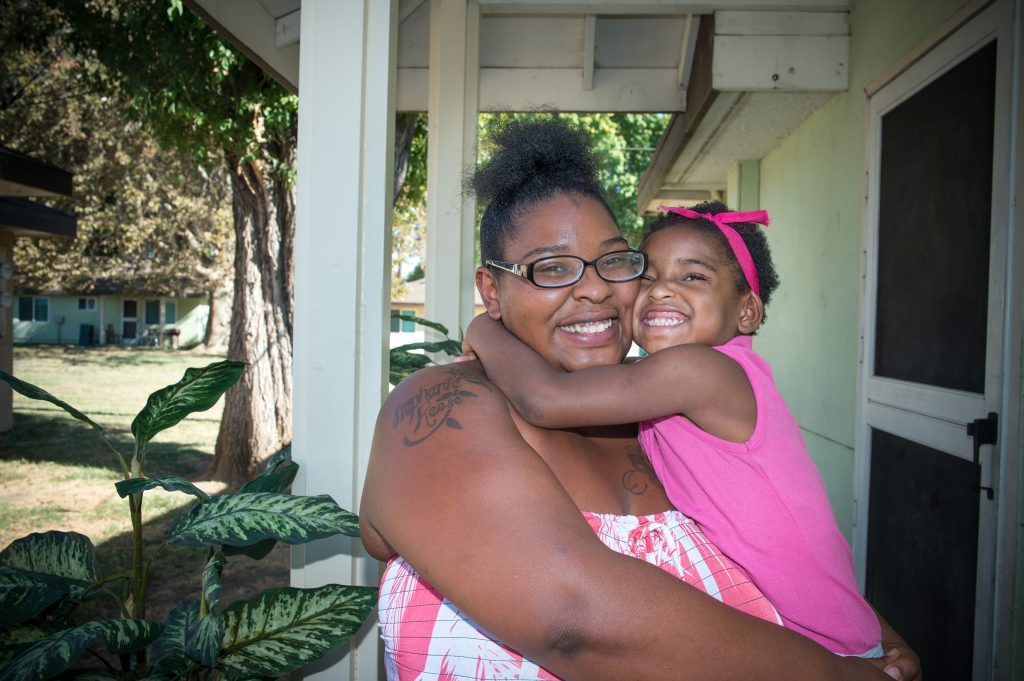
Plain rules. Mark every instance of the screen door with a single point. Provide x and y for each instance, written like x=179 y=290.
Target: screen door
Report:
x=932 y=347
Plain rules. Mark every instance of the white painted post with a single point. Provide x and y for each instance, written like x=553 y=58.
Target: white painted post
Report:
x=342 y=259
x=451 y=148
x=743 y=186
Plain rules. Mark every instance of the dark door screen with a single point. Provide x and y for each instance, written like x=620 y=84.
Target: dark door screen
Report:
x=923 y=551
x=934 y=208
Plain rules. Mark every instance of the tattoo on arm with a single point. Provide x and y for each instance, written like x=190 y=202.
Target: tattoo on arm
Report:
x=428 y=410
x=640 y=475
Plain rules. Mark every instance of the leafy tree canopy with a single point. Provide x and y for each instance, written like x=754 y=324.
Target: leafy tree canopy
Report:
x=149 y=219
x=195 y=91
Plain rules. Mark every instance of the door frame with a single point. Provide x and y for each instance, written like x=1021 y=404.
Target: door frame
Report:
x=126 y=319
x=997 y=544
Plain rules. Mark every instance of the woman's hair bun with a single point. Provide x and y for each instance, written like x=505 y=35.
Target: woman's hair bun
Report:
x=543 y=151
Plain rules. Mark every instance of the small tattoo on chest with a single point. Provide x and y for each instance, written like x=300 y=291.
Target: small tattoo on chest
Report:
x=640 y=475
x=432 y=407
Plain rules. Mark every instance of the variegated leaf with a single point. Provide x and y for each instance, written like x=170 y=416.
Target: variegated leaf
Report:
x=125 y=636
x=277 y=480
x=168 y=651
x=257 y=551
x=212 y=583
x=246 y=518
x=60 y=554
x=282 y=455
x=198 y=390
x=21 y=603
x=15 y=577
x=206 y=640
x=51 y=655
x=36 y=393
x=15 y=639
x=171 y=483
x=285 y=628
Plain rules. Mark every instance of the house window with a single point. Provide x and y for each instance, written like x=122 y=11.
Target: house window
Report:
x=170 y=312
x=152 y=312
x=31 y=309
x=403 y=325
x=87 y=304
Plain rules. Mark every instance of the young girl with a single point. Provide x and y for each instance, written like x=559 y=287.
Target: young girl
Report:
x=716 y=430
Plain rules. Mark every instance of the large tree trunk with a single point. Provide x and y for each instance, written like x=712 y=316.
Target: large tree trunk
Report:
x=258 y=409
x=218 y=324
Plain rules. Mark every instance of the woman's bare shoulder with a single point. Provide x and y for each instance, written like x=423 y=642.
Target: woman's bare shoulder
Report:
x=436 y=398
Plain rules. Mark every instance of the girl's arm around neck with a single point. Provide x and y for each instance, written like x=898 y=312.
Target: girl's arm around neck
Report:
x=696 y=381
x=453 y=488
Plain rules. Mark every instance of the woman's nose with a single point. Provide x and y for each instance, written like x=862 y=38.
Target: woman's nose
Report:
x=591 y=286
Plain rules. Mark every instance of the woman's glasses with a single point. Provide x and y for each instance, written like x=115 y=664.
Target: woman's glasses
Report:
x=556 y=271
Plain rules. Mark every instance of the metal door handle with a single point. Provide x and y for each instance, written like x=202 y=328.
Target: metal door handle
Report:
x=984 y=432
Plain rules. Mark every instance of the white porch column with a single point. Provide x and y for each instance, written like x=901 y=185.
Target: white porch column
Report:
x=451 y=148
x=743 y=186
x=342 y=264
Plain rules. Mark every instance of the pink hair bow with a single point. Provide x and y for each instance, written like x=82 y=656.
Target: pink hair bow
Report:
x=739 y=249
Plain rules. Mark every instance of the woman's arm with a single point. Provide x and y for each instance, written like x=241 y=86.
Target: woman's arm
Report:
x=697 y=381
x=454 y=489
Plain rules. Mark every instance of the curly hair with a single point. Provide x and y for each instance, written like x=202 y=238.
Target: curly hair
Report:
x=531 y=160
x=752 y=234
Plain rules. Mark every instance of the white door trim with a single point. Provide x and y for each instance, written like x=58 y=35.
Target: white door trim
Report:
x=890 y=404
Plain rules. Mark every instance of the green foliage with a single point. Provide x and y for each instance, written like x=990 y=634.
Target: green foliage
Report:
x=409 y=358
x=44 y=577
x=149 y=218
x=284 y=628
x=246 y=518
x=624 y=144
x=194 y=90
x=198 y=390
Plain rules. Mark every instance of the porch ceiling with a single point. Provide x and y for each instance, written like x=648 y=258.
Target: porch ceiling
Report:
x=738 y=75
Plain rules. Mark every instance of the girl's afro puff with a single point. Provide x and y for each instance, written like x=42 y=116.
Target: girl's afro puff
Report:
x=531 y=159
x=752 y=234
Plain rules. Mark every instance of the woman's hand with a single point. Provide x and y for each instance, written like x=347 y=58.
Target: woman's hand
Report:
x=900 y=662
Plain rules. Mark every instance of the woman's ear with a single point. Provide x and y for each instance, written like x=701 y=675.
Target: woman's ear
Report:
x=487 y=285
x=751 y=315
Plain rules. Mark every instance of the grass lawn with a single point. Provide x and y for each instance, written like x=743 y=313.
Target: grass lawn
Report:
x=55 y=473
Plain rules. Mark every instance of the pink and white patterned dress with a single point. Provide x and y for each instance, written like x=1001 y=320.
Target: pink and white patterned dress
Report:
x=427 y=638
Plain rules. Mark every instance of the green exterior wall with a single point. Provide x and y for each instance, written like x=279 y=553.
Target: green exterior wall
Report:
x=192 y=315
x=813 y=186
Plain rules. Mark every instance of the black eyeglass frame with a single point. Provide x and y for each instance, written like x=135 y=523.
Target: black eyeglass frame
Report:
x=526 y=270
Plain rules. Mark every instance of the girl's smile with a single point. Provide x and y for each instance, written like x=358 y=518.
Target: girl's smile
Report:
x=690 y=292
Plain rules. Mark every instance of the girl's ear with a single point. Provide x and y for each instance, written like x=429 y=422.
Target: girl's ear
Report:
x=487 y=285
x=751 y=315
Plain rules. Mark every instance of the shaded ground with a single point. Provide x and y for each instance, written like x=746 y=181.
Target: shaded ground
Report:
x=55 y=472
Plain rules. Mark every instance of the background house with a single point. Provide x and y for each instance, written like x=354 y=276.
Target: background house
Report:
x=411 y=302
x=106 y=316
x=882 y=135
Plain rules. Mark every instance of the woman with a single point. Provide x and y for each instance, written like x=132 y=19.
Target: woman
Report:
x=512 y=523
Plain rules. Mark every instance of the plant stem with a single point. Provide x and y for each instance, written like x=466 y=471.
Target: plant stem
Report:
x=120 y=458
x=139 y=567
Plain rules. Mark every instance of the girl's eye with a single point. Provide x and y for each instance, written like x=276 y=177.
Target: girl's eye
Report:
x=693 y=276
x=646 y=280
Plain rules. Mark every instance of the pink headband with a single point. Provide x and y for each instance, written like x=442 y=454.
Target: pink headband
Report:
x=739 y=248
